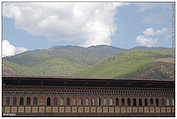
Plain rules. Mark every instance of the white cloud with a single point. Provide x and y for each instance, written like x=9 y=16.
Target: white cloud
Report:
x=149 y=37
x=7 y=49
x=146 y=41
x=83 y=23
x=10 y=50
x=149 y=32
x=19 y=50
x=152 y=32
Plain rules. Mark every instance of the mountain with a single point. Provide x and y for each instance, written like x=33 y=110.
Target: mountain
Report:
x=7 y=70
x=57 y=61
x=74 y=54
x=147 y=48
x=134 y=64
x=93 y=62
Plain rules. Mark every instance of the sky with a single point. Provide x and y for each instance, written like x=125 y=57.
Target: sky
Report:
x=40 y=25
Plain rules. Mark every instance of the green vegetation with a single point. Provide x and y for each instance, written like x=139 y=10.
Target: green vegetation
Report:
x=93 y=62
x=156 y=70
x=133 y=64
x=75 y=54
x=18 y=69
x=51 y=67
x=57 y=61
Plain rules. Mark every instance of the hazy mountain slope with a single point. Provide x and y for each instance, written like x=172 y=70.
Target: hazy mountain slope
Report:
x=128 y=63
x=58 y=61
x=93 y=62
x=7 y=70
x=84 y=56
x=158 y=70
x=51 y=67
x=75 y=54
x=56 y=67
x=147 y=48
x=29 y=58
x=16 y=68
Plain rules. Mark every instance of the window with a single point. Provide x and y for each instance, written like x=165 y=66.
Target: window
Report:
x=28 y=101
x=81 y=101
x=134 y=102
x=61 y=101
x=21 y=101
x=145 y=102
x=167 y=102
x=163 y=101
x=78 y=101
x=128 y=102
x=86 y=101
x=122 y=101
x=67 y=101
x=74 y=101
x=14 y=101
x=157 y=102
x=140 y=102
x=55 y=101
x=98 y=101
x=104 y=101
x=92 y=101
x=48 y=101
x=173 y=102
x=151 y=101
x=7 y=100
x=117 y=101
x=42 y=100
x=110 y=102
x=35 y=101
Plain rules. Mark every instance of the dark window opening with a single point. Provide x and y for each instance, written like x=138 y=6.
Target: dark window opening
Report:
x=28 y=101
x=21 y=101
x=117 y=102
x=151 y=101
x=157 y=102
x=145 y=102
x=35 y=101
x=14 y=101
x=140 y=102
x=123 y=102
x=48 y=101
x=128 y=102
x=68 y=101
x=134 y=102
x=81 y=101
x=99 y=101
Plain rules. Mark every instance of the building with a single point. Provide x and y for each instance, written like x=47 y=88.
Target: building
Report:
x=52 y=96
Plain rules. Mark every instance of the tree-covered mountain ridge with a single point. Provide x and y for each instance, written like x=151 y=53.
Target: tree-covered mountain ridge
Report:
x=92 y=62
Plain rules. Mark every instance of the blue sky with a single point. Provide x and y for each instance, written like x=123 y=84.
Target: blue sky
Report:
x=30 y=26
x=131 y=21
